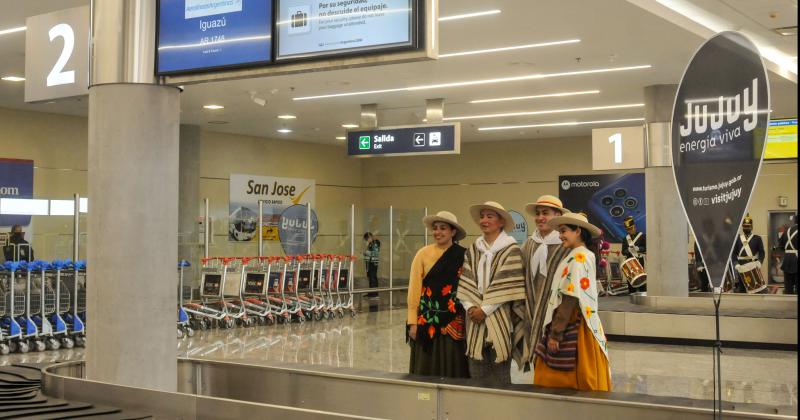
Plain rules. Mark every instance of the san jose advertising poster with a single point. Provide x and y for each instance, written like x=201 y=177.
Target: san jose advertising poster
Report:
x=277 y=194
x=607 y=200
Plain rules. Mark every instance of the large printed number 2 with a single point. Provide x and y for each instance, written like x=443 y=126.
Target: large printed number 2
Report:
x=616 y=140
x=57 y=76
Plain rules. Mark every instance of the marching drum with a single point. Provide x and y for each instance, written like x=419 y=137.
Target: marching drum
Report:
x=727 y=284
x=634 y=273
x=751 y=277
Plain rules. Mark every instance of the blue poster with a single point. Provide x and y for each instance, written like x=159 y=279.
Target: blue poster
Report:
x=292 y=229
x=520 y=232
x=16 y=181
x=206 y=34
x=607 y=200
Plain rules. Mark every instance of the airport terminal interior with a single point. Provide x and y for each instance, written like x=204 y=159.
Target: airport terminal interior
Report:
x=398 y=209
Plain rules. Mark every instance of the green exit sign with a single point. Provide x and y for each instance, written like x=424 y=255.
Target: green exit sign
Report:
x=364 y=143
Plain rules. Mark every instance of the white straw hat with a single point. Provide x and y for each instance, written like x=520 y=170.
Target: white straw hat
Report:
x=546 y=201
x=577 y=219
x=475 y=212
x=450 y=219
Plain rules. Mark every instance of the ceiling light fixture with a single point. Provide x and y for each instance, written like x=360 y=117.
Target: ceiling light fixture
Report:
x=341 y=138
x=13 y=79
x=213 y=107
x=350 y=125
x=12 y=30
x=284 y=130
x=469 y=15
x=546 y=95
x=514 y=47
x=476 y=82
x=549 y=111
x=572 y=123
x=287 y=117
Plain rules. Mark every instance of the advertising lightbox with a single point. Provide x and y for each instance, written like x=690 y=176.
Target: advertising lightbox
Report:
x=196 y=35
x=317 y=28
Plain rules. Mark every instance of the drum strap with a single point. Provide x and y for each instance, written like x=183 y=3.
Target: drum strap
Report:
x=791 y=234
x=632 y=243
x=745 y=253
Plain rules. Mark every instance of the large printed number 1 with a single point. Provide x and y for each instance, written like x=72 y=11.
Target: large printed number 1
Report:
x=616 y=140
x=57 y=75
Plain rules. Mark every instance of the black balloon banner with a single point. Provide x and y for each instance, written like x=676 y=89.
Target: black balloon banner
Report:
x=719 y=128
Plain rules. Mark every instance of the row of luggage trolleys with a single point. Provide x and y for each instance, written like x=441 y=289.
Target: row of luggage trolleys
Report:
x=247 y=291
x=43 y=305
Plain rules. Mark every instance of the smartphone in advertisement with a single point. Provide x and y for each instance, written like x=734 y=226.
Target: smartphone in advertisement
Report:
x=613 y=203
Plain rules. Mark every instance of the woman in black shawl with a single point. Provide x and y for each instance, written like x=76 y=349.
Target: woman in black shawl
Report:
x=435 y=321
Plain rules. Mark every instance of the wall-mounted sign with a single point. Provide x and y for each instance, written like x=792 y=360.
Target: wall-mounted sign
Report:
x=408 y=140
x=325 y=27
x=212 y=34
x=719 y=129
x=278 y=194
x=16 y=181
x=618 y=148
x=607 y=200
x=57 y=55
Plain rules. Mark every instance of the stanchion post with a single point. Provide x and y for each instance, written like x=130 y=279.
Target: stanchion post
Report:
x=425 y=228
x=391 y=256
x=76 y=227
x=260 y=228
x=308 y=228
x=207 y=230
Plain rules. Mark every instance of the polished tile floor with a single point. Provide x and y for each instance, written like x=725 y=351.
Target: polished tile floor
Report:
x=375 y=341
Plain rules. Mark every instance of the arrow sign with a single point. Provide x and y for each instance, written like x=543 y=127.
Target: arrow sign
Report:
x=419 y=139
x=363 y=142
x=719 y=130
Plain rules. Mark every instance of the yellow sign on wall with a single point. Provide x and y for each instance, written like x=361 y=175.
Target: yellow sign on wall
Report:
x=782 y=139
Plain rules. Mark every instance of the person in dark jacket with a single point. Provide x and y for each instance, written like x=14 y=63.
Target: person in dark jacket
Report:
x=371 y=258
x=18 y=249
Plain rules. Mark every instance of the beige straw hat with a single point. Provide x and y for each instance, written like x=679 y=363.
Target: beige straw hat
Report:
x=450 y=219
x=546 y=201
x=577 y=219
x=475 y=212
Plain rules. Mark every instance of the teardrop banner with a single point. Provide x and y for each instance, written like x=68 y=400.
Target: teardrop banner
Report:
x=719 y=129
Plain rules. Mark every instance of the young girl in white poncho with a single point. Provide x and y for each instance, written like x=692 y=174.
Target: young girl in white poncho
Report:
x=572 y=352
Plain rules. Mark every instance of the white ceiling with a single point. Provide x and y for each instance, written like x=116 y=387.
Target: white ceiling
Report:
x=614 y=33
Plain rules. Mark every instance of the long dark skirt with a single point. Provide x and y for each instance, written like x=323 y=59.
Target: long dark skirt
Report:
x=445 y=357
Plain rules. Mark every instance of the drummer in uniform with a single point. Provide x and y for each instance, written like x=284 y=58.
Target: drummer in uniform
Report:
x=788 y=242
x=748 y=248
x=634 y=246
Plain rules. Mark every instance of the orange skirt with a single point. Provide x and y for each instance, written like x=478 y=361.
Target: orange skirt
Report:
x=591 y=372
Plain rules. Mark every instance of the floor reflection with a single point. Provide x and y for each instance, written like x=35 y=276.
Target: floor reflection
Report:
x=375 y=341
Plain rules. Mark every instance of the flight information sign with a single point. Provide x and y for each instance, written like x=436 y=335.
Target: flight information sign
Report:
x=408 y=140
x=333 y=27
x=195 y=35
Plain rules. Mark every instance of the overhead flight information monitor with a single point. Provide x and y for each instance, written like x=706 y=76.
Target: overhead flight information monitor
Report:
x=782 y=139
x=308 y=28
x=197 y=35
x=407 y=140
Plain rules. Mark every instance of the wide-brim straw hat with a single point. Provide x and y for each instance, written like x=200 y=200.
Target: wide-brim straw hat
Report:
x=450 y=219
x=475 y=212
x=577 y=219
x=546 y=201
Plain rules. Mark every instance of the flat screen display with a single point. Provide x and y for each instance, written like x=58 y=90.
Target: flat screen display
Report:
x=196 y=35
x=782 y=139
x=308 y=28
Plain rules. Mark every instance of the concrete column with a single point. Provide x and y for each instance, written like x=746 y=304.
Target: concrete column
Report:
x=189 y=200
x=667 y=230
x=133 y=187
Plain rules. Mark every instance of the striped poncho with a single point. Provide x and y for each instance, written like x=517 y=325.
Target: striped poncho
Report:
x=506 y=287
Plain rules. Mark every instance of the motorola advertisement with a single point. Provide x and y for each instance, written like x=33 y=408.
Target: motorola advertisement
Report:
x=719 y=129
x=208 y=34
x=309 y=28
x=607 y=200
